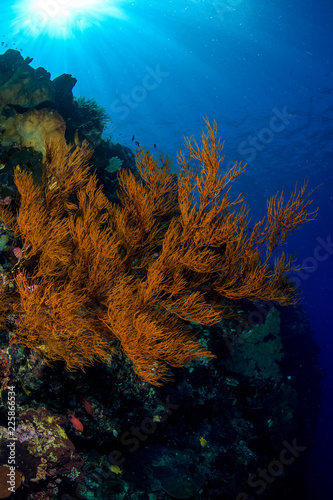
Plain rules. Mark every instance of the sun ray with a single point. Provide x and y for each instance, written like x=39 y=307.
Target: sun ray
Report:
x=62 y=18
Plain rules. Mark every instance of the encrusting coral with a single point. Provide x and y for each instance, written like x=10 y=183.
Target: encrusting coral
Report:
x=97 y=275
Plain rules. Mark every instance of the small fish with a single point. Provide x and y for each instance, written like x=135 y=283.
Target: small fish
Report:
x=203 y=442
x=155 y=146
x=137 y=144
x=116 y=469
x=76 y=422
x=88 y=407
x=133 y=137
x=4 y=238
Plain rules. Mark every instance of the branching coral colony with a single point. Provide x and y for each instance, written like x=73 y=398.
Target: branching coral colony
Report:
x=95 y=276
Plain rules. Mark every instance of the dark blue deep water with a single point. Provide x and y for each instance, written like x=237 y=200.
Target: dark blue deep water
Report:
x=262 y=69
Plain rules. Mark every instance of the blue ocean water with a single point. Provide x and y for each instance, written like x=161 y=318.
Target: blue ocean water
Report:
x=261 y=69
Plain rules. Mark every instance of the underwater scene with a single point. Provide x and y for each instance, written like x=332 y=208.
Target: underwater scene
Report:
x=166 y=253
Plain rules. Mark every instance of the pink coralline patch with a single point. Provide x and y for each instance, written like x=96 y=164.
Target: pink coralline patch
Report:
x=18 y=252
x=47 y=446
x=6 y=200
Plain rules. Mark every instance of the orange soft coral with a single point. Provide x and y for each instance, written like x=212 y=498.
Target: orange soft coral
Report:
x=96 y=275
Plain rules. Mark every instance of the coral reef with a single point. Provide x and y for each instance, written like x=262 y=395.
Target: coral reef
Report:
x=34 y=108
x=86 y=275
x=33 y=128
x=92 y=119
x=257 y=353
x=115 y=164
x=22 y=93
x=39 y=433
x=167 y=262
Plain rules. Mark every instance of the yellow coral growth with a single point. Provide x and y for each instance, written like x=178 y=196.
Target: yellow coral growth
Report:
x=97 y=275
